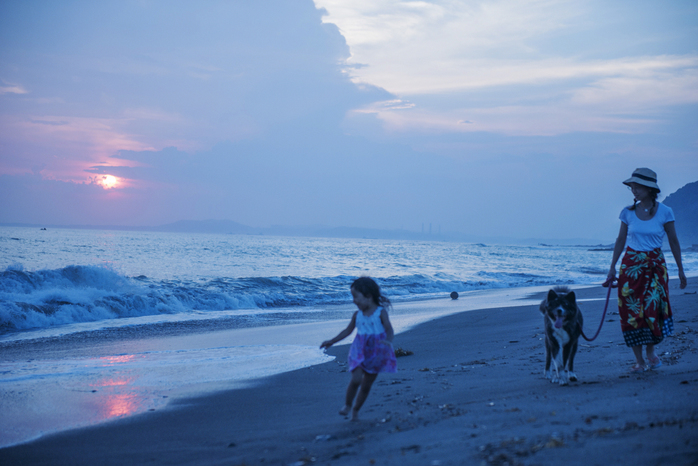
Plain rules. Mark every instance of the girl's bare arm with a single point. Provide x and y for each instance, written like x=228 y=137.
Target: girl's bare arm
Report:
x=342 y=335
x=385 y=320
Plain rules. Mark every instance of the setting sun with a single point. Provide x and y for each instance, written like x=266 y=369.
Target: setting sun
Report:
x=109 y=181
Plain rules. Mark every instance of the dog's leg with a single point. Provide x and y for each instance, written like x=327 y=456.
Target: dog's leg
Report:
x=557 y=365
x=547 y=373
x=553 y=361
x=562 y=339
x=560 y=368
x=573 y=352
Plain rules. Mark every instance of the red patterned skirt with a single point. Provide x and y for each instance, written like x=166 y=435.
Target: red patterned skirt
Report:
x=643 y=298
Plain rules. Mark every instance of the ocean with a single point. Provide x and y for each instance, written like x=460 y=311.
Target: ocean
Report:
x=114 y=323
x=57 y=277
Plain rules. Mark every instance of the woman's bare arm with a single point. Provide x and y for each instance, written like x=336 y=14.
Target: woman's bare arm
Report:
x=670 y=229
x=618 y=249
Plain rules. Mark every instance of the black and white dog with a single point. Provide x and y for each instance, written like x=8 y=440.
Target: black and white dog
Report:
x=563 y=325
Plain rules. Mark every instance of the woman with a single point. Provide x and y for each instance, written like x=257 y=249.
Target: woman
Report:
x=643 y=291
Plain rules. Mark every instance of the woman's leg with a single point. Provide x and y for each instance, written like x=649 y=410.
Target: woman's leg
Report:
x=366 y=383
x=650 y=353
x=652 y=358
x=637 y=350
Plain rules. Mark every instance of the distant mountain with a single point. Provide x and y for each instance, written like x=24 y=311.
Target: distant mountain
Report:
x=684 y=202
x=315 y=231
x=207 y=226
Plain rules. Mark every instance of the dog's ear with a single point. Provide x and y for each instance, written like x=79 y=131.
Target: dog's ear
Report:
x=571 y=299
x=552 y=296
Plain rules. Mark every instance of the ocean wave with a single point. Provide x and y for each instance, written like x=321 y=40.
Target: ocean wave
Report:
x=72 y=294
x=81 y=293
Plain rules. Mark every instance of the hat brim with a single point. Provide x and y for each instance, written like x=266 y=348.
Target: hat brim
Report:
x=642 y=182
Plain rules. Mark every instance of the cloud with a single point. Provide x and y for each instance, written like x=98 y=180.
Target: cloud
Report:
x=651 y=88
x=190 y=79
x=418 y=47
x=621 y=103
x=64 y=146
x=512 y=121
x=544 y=58
x=6 y=88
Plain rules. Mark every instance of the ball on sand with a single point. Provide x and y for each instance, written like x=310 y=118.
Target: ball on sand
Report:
x=454 y=295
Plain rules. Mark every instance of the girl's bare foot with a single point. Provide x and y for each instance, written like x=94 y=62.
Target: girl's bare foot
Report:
x=354 y=415
x=344 y=411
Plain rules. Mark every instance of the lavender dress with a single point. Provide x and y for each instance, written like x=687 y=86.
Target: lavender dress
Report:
x=370 y=350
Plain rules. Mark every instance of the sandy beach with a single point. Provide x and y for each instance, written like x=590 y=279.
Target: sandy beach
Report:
x=472 y=392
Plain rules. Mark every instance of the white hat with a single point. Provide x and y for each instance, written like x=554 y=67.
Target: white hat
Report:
x=645 y=177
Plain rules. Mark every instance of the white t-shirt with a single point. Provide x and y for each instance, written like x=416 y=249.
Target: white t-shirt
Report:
x=646 y=235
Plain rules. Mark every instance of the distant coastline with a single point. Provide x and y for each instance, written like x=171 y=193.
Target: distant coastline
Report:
x=684 y=203
x=318 y=231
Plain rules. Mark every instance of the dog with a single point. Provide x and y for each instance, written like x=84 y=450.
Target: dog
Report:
x=563 y=325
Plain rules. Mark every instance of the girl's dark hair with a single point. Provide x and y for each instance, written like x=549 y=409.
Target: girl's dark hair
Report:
x=653 y=194
x=368 y=287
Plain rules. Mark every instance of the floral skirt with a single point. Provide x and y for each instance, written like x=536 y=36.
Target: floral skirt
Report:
x=643 y=298
x=372 y=353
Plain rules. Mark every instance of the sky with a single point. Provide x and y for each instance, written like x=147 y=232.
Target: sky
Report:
x=494 y=118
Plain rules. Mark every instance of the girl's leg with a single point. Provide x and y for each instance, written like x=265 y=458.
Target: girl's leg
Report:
x=366 y=383
x=354 y=384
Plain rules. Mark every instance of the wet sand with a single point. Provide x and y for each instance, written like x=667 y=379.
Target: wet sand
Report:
x=472 y=392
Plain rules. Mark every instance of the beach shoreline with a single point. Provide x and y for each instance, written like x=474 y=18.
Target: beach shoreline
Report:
x=80 y=375
x=472 y=393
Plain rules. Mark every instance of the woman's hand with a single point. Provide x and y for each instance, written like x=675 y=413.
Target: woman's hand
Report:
x=682 y=279
x=611 y=274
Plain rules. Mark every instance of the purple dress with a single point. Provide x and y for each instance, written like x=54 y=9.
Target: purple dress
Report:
x=370 y=350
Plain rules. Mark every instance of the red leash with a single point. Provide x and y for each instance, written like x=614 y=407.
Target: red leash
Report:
x=610 y=283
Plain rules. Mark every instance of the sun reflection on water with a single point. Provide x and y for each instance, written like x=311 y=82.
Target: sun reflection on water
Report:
x=121 y=405
x=113 y=382
x=113 y=401
x=122 y=358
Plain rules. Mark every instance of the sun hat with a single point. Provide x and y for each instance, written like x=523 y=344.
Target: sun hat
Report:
x=645 y=177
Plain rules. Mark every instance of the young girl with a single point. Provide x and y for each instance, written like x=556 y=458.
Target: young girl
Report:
x=372 y=349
